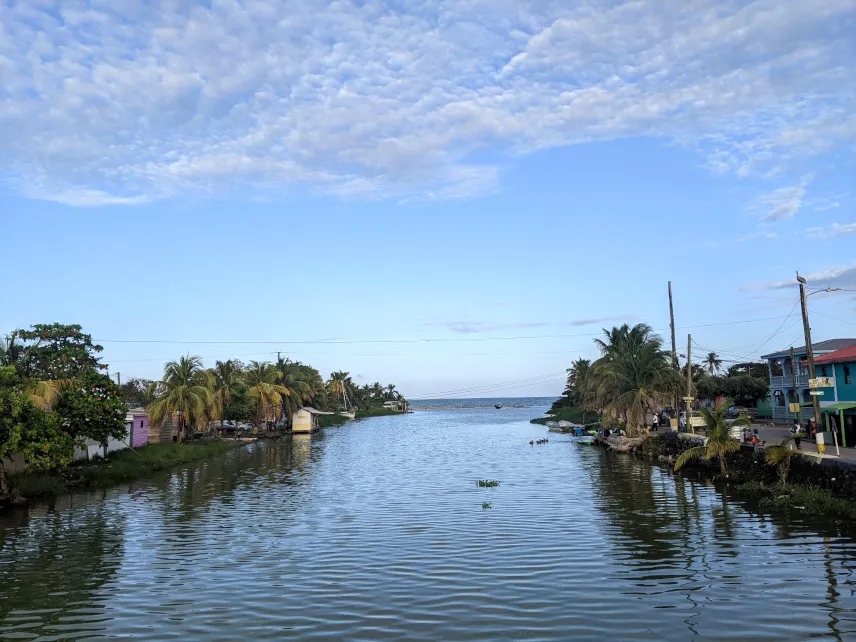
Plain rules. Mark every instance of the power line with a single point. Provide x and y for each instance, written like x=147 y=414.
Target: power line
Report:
x=396 y=341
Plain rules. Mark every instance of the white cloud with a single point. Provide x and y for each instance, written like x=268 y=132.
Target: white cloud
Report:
x=782 y=203
x=594 y=320
x=832 y=230
x=473 y=327
x=756 y=236
x=842 y=276
x=120 y=102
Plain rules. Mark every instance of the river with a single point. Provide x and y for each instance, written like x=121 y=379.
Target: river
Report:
x=377 y=530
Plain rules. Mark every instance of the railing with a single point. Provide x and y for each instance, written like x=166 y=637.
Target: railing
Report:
x=788 y=381
x=781 y=414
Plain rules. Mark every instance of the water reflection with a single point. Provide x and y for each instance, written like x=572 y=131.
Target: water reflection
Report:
x=376 y=530
x=53 y=568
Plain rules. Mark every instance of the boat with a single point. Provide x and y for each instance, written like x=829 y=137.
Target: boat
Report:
x=497 y=406
x=584 y=435
x=585 y=439
x=350 y=414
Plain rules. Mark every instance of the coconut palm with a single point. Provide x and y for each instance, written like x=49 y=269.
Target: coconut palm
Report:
x=340 y=384
x=578 y=378
x=780 y=456
x=719 y=439
x=227 y=377
x=186 y=389
x=262 y=379
x=297 y=393
x=713 y=362
x=633 y=377
x=390 y=393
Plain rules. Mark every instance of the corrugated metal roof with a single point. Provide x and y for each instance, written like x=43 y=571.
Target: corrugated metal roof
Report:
x=830 y=345
x=847 y=354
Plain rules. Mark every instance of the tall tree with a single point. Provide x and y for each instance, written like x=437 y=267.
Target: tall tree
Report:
x=91 y=407
x=58 y=352
x=578 y=379
x=634 y=375
x=186 y=389
x=262 y=380
x=227 y=377
x=135 y=391
x=713 y=362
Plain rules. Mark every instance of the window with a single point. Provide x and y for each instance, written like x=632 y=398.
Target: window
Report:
x=846 y=374
x=823 y=371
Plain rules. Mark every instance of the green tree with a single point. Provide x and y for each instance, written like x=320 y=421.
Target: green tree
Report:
x=263 y=388
x=58 y=352
x=340 y=385
x=719 y=439
x=12 y=406
x=91 y=407
x=578 y=380
x=186 y=389
x=228 y=375
x=781 y=457
x=713 y=362
x=135 y=391
x=634 y=375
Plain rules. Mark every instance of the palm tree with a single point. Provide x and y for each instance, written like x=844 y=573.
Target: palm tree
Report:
x=578 y=375
x=633 y=377
x=390 y=392
x=186 y=389
x=719 y=439
x=780 y=456
x=713 y=362
x=340 y=384
x=297 y=393
x=262 y=379
x=227 y=377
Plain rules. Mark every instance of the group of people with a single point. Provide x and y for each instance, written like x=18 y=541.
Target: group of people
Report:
x=751 y=436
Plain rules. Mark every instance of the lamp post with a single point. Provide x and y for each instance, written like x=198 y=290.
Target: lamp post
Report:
x=808 y=349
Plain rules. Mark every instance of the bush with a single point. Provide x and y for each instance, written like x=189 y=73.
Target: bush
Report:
x=574 y=414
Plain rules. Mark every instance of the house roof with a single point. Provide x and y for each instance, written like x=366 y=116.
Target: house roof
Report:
x=313 y=411
x=830 y=345
x=839 y=356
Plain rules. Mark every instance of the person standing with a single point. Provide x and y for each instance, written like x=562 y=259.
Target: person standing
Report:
x=655 y=423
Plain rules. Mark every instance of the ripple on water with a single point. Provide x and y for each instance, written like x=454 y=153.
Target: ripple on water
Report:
x=376 y=531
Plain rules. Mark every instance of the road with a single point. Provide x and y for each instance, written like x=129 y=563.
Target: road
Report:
x=776 y=434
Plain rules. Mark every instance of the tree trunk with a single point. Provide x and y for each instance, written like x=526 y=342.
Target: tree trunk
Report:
x=722 y=463
x=4 y=486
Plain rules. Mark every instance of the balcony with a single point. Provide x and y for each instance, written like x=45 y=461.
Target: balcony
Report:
x=781 y=414
x=788 y=382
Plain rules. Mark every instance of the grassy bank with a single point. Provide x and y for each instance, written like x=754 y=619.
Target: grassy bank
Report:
x=116 y=468
x=377 y=412
x=569 y=413
x=808 y=499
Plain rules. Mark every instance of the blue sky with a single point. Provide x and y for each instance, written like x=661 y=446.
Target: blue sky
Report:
x=404 y=190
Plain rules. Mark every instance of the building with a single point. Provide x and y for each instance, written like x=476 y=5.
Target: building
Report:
x=398 y=404
x=303 y=421
x=782 y=391
x=136 y=435
x=137 y=422
x=838 y=402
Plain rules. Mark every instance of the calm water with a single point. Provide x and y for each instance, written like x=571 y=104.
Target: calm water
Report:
x=376 y=531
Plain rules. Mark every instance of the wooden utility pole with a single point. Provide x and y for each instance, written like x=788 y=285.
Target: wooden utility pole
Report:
x=674 y=351
x=794 y=380
x=672 y=326
x=118 y=378
x=689 y=397
x=808 y=350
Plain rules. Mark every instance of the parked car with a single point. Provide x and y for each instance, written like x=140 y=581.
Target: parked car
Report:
x=737 y=411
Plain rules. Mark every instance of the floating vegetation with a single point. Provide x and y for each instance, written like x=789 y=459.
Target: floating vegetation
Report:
x=487 y=483
x=485 y=505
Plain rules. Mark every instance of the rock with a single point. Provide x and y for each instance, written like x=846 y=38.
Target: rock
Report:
x=622 y=444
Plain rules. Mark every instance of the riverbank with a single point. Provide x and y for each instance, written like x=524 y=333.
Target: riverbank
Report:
x=118 y=467
x=573 y=414
x=816 y=487
x=328 y=421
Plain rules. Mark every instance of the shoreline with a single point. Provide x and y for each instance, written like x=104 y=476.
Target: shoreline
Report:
x=117 y=468
x=817 y=487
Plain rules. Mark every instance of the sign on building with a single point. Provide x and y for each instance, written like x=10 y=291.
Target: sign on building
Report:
x=794 y=407
x=820 y=382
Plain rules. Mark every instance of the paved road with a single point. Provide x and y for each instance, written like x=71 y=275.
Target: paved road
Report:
x=775 y=435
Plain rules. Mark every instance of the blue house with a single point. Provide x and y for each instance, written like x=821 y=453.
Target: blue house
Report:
x=839 y=399
x=782 y=390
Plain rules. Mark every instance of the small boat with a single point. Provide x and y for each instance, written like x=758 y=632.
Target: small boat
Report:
x=585 y=439
x=497 y=406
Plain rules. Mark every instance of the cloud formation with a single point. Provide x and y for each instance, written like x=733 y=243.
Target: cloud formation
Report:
x=842 y=276
x=474 y=327
x=831 y=231
x=106 y=102
x=782 y=203
x=594 y=320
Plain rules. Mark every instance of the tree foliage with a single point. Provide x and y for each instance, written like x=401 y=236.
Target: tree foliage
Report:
x=57 y=351
x=135 y=391
x=740 y=388
x=91 y=407
x=185 y=389
x=719 y=439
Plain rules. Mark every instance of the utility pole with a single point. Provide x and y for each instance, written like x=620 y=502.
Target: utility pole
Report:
x=794 y=380
x=672 y=326
x=689 y=397
x=119 y=379
x=674 y=350
x=815 y=399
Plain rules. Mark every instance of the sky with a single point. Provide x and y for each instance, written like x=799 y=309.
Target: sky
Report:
x=455 y=197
